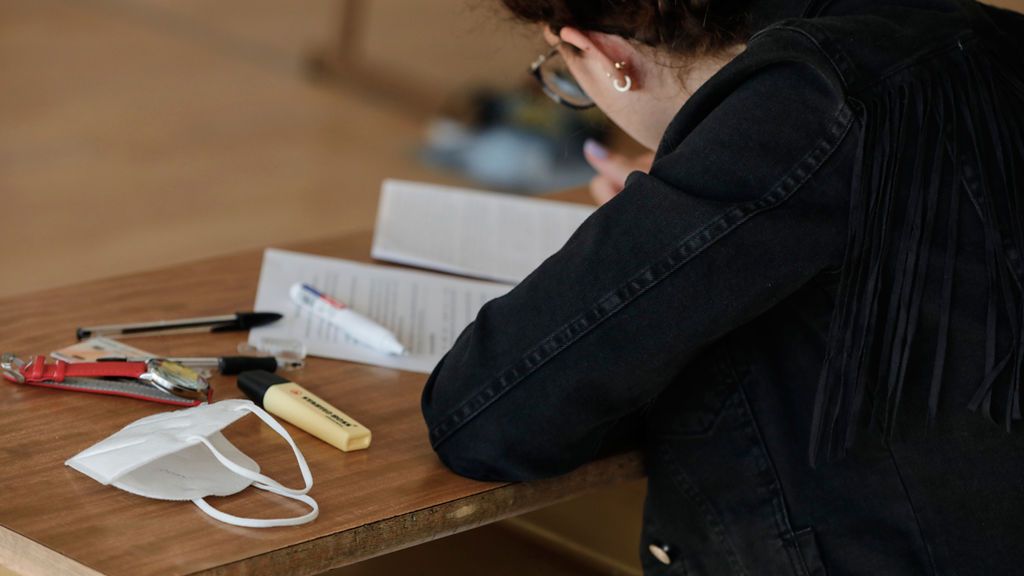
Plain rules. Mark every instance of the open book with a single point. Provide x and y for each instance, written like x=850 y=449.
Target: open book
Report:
x=470 y=232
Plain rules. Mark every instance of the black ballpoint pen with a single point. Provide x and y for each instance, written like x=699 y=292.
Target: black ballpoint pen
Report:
x=226 y=323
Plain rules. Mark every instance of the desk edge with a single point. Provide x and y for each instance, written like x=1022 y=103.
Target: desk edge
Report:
x=26 y=557
x=370 y=540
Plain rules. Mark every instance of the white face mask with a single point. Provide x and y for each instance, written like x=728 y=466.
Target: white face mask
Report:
x=182 y=455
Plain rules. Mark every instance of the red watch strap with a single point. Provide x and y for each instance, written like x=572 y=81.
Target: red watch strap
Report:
x=40 y=371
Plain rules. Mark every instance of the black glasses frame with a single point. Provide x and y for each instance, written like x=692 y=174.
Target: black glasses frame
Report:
x=535 y=71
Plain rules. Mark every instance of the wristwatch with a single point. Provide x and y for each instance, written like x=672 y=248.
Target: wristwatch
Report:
x=157 y=379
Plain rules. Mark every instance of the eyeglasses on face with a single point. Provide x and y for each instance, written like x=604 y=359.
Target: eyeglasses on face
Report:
x=558 y=82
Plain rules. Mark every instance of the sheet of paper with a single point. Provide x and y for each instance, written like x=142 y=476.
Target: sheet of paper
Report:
x=98 y=347
x=426 y=311
x=470 y=232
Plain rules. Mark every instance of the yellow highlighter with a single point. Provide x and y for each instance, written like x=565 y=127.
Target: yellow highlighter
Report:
x=300 y=407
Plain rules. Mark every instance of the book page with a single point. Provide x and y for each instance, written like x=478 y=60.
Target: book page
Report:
x=473 y=233
x=425 y=311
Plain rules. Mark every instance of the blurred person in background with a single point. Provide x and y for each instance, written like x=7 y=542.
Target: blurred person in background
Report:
x=806 y=308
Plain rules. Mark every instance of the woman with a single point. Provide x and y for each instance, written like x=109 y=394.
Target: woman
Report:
x=809 y=310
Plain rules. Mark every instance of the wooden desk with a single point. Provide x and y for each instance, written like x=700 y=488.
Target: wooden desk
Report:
x=54 y=520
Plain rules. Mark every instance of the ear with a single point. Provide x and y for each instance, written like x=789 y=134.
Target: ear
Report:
x=603 y=50
x=577 y=38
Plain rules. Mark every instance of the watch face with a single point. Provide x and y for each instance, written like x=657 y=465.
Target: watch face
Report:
x=175 y=378
x=11 y=367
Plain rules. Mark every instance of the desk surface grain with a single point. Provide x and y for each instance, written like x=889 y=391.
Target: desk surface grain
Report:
x=394 y=495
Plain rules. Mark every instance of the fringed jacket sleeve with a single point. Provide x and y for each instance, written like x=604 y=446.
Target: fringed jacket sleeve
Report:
x=747 y=201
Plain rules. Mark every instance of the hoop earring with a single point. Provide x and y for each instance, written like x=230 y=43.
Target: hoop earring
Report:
x=627 y=81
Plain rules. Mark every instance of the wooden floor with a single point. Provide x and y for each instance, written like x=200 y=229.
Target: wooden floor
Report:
x=135 y=133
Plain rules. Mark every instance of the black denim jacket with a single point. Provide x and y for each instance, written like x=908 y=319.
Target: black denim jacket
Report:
x=810 y=310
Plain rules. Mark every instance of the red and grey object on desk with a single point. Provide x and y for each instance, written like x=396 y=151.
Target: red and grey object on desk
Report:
x=155 y=380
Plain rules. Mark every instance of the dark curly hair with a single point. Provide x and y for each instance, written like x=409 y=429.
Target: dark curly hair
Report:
x=684 y=27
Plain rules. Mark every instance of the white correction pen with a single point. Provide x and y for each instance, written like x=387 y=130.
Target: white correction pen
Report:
x=355 y=325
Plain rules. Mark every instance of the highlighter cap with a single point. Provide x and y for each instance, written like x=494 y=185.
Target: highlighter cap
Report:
x=255 y=383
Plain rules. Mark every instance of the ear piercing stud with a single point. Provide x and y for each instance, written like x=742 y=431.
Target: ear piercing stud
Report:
x=626 y=82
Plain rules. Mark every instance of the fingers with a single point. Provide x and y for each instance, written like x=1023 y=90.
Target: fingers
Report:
x=643 y=162
x=602 y=189
x=613 y=167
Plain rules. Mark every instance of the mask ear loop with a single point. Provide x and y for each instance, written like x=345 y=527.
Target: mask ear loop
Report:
x=261 y=481
x=262 y=522
x=264 y=482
